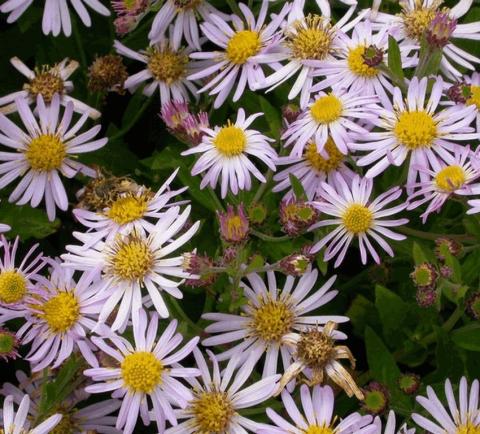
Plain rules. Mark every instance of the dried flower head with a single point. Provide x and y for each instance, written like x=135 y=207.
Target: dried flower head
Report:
x=409 y=383
x=377 y=398
x=234 y=226
x=444 y=245
x=107 y=74
x=424 y=276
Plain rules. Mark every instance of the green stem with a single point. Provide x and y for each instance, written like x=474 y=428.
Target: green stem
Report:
x=431 y=235
x=215 y=198
x=270 y=238
x=178 y=312
x=261 y=189
x=396 y=80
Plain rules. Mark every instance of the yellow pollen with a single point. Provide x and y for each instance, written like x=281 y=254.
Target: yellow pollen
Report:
x=230 y=140
x=141 y=372
x=61 y=312
x=469 y=428
x=416 y=22
x=315 y=348
x=326 y=109
x=321 y=164
x=311 y=38
x=243 y=45
x=167 y=65
x=213 y=412
x=46 y=83
x=272 y=320
x=357 y=218
x=450 y=178
x=13 y=287
x=474 y=96
x=128 y=209
x=315 y=429
x=415 y=130
x=132 y=259
x=45 y=153
x=357 y=64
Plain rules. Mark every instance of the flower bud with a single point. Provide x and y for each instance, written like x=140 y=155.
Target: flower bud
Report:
x=373 y=56
x=295 y=264
x=229 y=255
x=424 y=276
x=446 y=271
x=440 y=30
x=446 y=244
x=290 y=113
x=426 y=297
x=409 y=383
x=459 y=93
x=107 y=74
x=257 y=213
x=473 y=305
x=234 y=226
x=8 y=345
x=296 y=216
x=377 y=398
x=125 y=24
x=198 y=265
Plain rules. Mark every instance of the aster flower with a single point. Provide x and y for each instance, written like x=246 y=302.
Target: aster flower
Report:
x=219 y=398
x=317 y=415
x=390 y=426
x=446 y=178
x=244 y=48
x=330 y=114
x=56 y=14
x=324 y=5
x=47 y=147
x=416 y=130
x=129 y=212
x=466 y=93
x=311 y=169
x=46 y=81
x=132 y=262
x=269 y=316
x=17 y=423
x=17 y=281
x=107 y=74
x=9 y=344
x=145 y=372
x=225 y=151
x=166 y=69
x=462 y=419
x=357 y=216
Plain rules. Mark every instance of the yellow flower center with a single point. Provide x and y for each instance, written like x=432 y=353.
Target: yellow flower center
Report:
x=326 y=109
x=186 y=4
x=474 y=96
x=415 y=130
x=272 y=320
x=61 y=312
x=45 y=153
x=128 y=209
x=230 y=140
x=213 y=412
x=450 y=178
x=132 y=259
x=357 y=218
x=416 y=22
x=67 y=425
x=141 y=372
x=321 y=164
x=357 y=64
x=243 y=45
x=469 y=428
x=47 y=84
x=13 y=287
x=311 y=38
x=315 y=429
x=167 y=65
x=315 y=348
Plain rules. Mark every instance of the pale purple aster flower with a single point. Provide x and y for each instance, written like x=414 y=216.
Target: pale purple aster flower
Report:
x=146 y=372
x=59 y=316
x=269 y=315
x=44 y=150
x=415 y=129
x=17 y=281
x=390 y=426
x=184 y=13
x=448 y=177
x=225 y=151
x=317 y=415
x=220 y=395
x=18 y=423
x=355 y=215
x=56 y=13
x=135 y=211
x=134 y=262
x=324 y=5
x=244 y=48
x=46 y=81
x=456 y=419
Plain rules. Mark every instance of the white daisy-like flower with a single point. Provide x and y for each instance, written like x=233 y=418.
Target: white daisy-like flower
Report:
x=145 y=372
x=132 y=262
x=46 y=81
x=219 y=398
x=129 y=212
x=330 y=115
x=245 y=47
x=18 y=423
x=390 y=426
x=464 y=418
x=355 y=215
x=324 y=5
x=167 y=67
x=269 y=315
x=225 y=151
x=47 y=147
x=446 y=178
x=317 y=415
x=56 y=13
x=415 y=128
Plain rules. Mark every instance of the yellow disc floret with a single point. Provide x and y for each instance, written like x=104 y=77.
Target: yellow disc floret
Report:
x=357 y=218
x=61 y=312
x=321 y=164
x=326 y=109
x=127 y=209
x=415 y=129
x=167 y=65
x=450 y=178
x=311 y=38
x=132 y=259
x=212 y=412
x=47 y=82
x=243 y=45
x=230 y=140
x=469 y=428
x=474 y=96
x=13 y=286
x=141 y=372
x=272 y=320
x=357 y=65
x=315 y=429
x=45 y=153
x=416 y=21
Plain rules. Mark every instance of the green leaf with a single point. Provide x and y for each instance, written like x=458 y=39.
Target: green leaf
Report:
x=273 y=117
x=362 y=312
x=420 y=255
x=453 y=263
x=257 y=261
x=392 y=310
x=297 y=187
x=467 y=337
x=395 y=59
